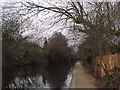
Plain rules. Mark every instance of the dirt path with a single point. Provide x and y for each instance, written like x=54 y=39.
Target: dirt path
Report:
x=81 y=79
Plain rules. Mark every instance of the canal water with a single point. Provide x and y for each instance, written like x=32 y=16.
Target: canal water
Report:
x=38 y=76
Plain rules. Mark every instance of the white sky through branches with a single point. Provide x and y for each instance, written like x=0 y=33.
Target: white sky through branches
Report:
x=42 y=27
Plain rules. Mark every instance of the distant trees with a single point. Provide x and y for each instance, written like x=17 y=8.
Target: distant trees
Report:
x=17 y=50
x=11 y=38
x=57 y=49
x=57 y=40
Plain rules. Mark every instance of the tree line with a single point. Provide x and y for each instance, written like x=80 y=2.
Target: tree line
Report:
x=19 y=50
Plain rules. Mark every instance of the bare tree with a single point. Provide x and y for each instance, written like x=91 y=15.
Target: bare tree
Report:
x=99 y=19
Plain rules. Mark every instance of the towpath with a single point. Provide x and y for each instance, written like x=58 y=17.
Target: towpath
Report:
x=81 y=79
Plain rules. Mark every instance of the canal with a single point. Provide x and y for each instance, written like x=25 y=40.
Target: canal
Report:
x=38 y=76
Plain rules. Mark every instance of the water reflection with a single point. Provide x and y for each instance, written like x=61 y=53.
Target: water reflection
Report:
x=50 y=76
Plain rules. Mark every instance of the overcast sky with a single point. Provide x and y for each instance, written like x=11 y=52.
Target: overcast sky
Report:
x=42 y=28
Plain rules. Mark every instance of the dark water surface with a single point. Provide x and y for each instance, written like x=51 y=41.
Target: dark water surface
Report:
x=38 y=76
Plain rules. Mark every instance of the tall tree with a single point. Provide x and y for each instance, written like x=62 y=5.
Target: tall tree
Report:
x=58 y=50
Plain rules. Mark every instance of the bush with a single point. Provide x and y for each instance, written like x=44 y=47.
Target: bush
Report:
x=112 y=80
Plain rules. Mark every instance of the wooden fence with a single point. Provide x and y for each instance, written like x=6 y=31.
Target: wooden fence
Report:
x=105 y=62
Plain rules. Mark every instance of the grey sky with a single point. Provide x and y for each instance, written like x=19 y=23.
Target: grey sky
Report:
x=42 y=29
